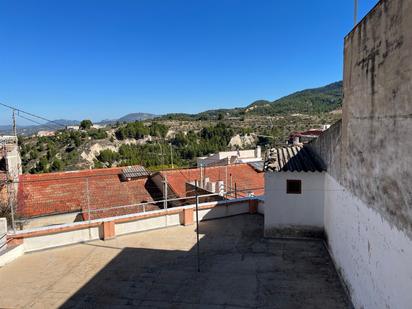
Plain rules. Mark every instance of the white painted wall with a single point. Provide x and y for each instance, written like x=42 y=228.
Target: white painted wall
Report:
x=9 y=255
x=374 y=257
x=3 y=233
x=147 y=224
x=60 y=239
x=223 y=211
x=284 y=210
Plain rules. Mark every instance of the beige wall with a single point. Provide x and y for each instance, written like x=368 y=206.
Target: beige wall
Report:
x=377 y=112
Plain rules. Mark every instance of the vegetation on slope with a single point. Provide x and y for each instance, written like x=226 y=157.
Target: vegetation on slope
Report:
x=152 y=143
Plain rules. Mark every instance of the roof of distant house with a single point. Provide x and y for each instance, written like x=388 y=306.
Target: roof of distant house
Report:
x=246 y=178
x=65 y=192
x=294 y=159
x=311 y=132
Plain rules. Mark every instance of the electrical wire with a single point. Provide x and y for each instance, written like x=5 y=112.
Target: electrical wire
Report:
x=31 y=114
x=36 y=122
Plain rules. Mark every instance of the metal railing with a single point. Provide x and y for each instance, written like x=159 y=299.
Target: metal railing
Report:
x=90 y=206
x=3 y=241
x=54 y=199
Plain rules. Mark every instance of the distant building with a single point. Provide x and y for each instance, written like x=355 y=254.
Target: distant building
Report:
x=10 y=167
x=295 y=194
x=231 y=157
x=45 y=133
x=73 y=128
x=240 y=180
x=98 y=126
x=94 y=126
x=303 y=137
x=66 y=197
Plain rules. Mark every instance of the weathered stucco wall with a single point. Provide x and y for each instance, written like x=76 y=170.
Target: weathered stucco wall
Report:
x=368 y=187
x=377 y=112
x=328 y=146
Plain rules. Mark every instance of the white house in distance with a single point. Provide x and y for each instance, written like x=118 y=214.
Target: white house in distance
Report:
x=46 y=133
x=231 y=157
x=294 y=192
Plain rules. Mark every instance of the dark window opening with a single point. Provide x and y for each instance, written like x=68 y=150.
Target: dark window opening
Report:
x=293 y=186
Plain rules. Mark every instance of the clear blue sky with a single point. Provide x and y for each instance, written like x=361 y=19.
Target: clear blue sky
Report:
x=102 y=59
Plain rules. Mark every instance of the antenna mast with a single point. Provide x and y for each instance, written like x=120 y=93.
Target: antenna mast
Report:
x=355 y=13
x=14 y=123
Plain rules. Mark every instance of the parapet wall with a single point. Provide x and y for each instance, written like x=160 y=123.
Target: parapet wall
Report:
x=328 y=147
x=377 y=112
x=368 y=199
x=54 y=236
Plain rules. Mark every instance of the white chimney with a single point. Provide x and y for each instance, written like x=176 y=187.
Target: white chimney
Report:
x=221 y=187
x=258 y=152
x=211 y=187
x=206 y=180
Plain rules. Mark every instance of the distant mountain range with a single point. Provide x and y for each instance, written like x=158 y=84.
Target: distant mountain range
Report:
x=130 y=118
x=61 y=123
x=316 y=100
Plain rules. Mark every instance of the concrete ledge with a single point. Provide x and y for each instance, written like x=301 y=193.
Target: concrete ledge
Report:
x=65 y=234
x=12 y=252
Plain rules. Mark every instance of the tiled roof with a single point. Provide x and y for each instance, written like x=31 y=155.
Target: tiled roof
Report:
x=312 y=132
x=57 y=193
x=294 y=159
x=242 y=174
x=130 y=172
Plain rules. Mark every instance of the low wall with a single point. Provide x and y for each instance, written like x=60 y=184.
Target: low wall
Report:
x=49 y=237
x=3 y=234
x=57 y=239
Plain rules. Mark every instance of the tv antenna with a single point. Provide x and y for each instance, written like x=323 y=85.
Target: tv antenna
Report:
x=355 y=12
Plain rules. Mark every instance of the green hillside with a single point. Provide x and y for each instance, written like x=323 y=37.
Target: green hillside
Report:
x=316 y=100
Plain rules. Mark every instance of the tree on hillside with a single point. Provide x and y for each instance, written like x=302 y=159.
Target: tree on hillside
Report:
x=57 y=165
x=86 y=124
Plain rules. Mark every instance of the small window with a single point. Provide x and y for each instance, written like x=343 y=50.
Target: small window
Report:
x=293 y=186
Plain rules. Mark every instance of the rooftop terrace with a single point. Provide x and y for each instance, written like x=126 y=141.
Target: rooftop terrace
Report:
x=157 y=269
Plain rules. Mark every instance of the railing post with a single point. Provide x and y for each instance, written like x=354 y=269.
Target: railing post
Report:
x=12 y=199
x=197 y=227
x=235 y=190
x=88 y=198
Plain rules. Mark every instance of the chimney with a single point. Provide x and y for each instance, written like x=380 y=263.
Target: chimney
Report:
x=258 y=152
x=211 y=187
x=221 y=187
x=206 y=180
x=11 y=155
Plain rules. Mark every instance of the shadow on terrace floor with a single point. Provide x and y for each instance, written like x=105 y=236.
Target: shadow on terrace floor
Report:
x=238 y=269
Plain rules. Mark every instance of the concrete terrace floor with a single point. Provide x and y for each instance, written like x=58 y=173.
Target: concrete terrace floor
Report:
x=157 y=269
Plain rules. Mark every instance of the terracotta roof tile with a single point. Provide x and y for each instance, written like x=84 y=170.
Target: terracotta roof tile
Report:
x=245 y=177
x=56 y=193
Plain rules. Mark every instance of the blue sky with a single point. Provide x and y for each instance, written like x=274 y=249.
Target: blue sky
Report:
x=103 y=59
